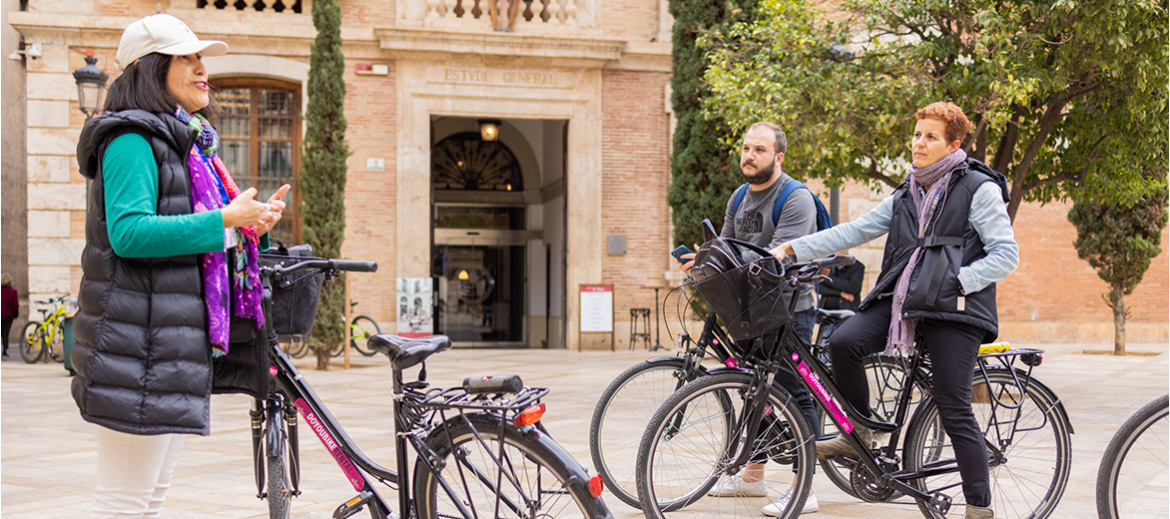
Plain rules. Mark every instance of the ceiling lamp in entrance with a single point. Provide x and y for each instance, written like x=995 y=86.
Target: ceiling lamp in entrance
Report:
x=489 y=129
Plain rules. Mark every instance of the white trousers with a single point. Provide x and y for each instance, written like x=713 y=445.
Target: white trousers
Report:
x=134 y=473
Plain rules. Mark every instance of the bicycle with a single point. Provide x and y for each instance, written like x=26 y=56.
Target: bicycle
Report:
x=1135 y=465
x=694 y=440
x=625 y=406
x=481 y=450
x=45 y=339
x=361 y=328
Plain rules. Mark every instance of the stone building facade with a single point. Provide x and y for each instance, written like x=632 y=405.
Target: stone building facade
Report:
x=507 y=231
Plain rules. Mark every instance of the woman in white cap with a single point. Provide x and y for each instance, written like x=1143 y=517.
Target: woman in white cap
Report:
x=169 y=266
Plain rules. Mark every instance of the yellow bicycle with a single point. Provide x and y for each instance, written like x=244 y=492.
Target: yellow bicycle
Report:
x=45 y=339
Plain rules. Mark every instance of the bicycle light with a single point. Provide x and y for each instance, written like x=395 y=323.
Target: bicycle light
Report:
x=529 y=416
x=595 y=485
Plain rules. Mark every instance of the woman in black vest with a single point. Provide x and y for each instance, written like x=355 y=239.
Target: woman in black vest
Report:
x=950 y=240
x=169 y=263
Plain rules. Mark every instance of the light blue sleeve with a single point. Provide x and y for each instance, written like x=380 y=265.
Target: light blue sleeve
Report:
x=863 y=230
x=989 y=218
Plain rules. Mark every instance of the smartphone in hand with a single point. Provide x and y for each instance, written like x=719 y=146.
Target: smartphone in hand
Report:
x=678 y=253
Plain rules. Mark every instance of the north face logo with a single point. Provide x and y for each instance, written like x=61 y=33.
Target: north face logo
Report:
x=749 y=223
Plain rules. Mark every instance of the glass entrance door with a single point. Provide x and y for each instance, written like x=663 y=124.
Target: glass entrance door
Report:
x=481 y=293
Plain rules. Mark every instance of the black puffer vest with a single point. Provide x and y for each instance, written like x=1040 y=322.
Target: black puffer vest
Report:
x=951 y=243
x=142 y=358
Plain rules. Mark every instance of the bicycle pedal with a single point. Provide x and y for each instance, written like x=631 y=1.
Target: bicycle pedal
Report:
x=353 y=506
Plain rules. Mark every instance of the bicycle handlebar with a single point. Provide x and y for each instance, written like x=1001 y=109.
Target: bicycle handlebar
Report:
x=809 y=270
x=334 y=264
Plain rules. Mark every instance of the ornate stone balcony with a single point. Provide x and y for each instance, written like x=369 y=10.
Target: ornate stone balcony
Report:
x=527 y=17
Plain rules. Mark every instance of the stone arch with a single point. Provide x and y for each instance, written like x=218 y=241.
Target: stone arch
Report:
x=510 y=137
x=257 y=66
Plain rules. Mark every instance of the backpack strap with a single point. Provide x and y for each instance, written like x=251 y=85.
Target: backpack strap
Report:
x=789 y=188
x=739 y=194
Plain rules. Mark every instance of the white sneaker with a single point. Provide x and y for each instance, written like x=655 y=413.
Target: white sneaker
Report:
x=735 y=486
x=777 y=507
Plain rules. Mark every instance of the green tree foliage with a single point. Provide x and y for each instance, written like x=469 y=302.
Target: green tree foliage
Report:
x=1066 y=97
x=1119 y=242
x=323 y=170
x=704 y=171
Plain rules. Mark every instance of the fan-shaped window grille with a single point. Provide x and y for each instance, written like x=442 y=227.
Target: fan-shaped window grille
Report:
x=465 y=161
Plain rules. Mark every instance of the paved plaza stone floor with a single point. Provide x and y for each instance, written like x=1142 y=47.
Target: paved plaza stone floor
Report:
x=48 y=451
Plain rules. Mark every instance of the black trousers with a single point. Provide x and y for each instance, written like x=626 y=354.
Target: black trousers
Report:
x=7 y=325
x=953 y=349
x=802 y=325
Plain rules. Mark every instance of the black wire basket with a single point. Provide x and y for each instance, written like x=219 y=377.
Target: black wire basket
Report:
x=745 y=285
x=294 y=296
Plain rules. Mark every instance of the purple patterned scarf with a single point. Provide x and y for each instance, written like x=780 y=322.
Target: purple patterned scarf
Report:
x=901 y=339
x=210 y=181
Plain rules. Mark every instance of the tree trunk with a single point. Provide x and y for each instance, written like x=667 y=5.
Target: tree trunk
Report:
x=323 y=351
x=1118 y=320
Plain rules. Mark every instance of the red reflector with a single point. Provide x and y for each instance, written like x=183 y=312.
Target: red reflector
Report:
x=529 y=416
x=595 y=486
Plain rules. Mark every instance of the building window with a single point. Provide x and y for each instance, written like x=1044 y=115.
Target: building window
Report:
x=465 y=161
x=260 y=141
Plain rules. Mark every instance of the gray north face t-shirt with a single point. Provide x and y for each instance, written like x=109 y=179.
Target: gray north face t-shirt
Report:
x=753 y=223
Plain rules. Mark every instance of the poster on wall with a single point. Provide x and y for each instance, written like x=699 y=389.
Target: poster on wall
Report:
x=596 y=308
x=415 y=302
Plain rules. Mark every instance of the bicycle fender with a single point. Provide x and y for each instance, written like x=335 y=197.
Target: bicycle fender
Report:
x=274 y=438
x=1044 y=387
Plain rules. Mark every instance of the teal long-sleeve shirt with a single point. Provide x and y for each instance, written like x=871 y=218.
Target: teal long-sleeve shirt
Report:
x=130 y=179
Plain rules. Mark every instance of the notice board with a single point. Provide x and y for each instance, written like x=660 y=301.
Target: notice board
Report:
x=596 y=318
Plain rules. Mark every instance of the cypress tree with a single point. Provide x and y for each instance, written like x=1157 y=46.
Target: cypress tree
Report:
x=704 y=168
x=323 y=170
x=1119 y=242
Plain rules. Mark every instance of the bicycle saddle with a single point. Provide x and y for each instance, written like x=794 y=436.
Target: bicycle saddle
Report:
x=835 y=315
x=405 y=352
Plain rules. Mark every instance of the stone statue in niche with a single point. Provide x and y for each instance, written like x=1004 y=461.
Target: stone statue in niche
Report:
x=504 y=13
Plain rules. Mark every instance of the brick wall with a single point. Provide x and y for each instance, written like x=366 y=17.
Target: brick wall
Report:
x=636 y=20
x=370 y=109
x=635 y=176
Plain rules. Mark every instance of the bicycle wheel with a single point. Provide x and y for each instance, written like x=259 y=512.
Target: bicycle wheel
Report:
x=279 y=499
x=887 y=377
x=32 y=342
x=1133 y=476
x=692 y=441
x=620 y=418
x=361 y=328
x=1025 y=425
x=520 y=474
x=56 y=347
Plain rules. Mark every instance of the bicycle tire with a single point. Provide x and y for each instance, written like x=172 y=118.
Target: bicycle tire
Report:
x=56 y=348
x=555 y=485
x=1144 y=431
x=279 y=501
x=32 y=342
x=620 y=419
x=1038 y=454
x=887 y=376
x=357 y=340
x=696 y=450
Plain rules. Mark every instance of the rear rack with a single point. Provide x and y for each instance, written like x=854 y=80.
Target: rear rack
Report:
x=458 y=398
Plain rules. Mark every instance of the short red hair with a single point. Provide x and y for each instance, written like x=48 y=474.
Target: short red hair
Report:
x=949 y=113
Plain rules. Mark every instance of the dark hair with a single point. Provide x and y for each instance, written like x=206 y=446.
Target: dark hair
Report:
x=143 y=86
x=781 y=139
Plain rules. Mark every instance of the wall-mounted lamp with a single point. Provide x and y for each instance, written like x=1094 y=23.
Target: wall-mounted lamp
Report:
x=91 y=86
x=489 y=129
x=463 y=276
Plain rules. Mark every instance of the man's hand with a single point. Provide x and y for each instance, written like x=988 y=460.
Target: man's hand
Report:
x=782 y=250
x=847 y=296
x=686 y=263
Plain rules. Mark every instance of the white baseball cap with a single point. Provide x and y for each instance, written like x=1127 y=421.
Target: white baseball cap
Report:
x=164 y=34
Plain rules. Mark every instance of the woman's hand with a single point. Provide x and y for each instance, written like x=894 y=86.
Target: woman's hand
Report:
x=782 y=250
x=244 y=210
x=275 y=210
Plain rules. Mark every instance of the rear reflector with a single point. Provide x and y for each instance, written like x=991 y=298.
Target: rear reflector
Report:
x=529 y=416
x=595 y=486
